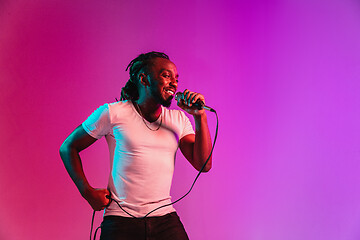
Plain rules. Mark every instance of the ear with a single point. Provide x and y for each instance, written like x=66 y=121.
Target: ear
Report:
x=143 y=79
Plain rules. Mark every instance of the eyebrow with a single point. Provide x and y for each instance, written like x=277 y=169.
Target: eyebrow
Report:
x=167 y=70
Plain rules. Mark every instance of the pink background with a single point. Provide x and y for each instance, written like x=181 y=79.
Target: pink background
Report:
x=283 y=76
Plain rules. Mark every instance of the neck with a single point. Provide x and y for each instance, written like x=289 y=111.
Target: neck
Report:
x=150 y=110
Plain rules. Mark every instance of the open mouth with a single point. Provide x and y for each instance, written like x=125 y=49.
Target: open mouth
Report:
x=170 y=92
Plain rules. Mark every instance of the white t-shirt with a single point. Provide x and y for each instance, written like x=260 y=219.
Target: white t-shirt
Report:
x=141 y=160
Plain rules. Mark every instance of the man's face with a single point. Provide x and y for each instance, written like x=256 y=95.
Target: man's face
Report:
x=163 y=80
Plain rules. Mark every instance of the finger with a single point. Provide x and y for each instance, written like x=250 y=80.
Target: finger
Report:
x=193 y=98
x=103 y=199
x=190 y=97
x=106 y=197
x=200 y=97
x=186 y=94
x=108 y=200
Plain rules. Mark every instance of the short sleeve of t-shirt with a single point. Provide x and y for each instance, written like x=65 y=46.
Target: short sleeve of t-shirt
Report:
x=98 y=123
x=187 y=129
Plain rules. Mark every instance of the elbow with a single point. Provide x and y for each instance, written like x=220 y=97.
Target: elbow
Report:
x=63 y=149
x=199 y=164
x=206 y=168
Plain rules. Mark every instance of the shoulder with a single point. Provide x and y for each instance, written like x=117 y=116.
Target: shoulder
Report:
x=172 y=112
x=118 y=111
x=119 y=106
x=175 y=115
x=99 y=112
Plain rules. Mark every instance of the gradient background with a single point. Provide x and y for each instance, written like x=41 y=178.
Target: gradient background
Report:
x=284 y=77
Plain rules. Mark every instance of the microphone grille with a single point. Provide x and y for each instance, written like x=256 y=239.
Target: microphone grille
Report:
x=178 y=96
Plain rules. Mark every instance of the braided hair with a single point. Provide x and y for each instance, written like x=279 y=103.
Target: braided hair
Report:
x=142 y=62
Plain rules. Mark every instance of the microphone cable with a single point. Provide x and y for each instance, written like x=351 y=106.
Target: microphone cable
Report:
x=179 y=199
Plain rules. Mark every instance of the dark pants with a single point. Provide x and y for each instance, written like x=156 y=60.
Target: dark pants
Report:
x=167 y=227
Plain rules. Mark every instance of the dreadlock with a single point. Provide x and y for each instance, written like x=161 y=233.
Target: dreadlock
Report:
x=142 y=62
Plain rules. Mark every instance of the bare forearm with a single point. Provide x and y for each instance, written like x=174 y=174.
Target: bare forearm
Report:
x=69 y=152
x=202 y=145
x=72 y=162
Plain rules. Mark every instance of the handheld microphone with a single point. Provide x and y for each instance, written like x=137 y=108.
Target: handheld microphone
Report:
x=198 y=104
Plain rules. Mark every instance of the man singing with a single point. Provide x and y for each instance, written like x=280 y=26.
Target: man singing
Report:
x=143 y=136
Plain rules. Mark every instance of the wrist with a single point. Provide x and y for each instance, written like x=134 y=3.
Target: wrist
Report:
x=200 y=117
x=85 y=190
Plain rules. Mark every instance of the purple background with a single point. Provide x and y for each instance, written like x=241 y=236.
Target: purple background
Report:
x=283 y=76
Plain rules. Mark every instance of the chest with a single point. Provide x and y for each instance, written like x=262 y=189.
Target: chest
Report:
x=133 y=134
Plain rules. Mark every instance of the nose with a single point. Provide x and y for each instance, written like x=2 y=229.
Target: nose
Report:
x=174 y=82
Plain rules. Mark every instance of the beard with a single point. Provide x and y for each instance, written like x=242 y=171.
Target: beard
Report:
x=161 y=100
x=167 y=103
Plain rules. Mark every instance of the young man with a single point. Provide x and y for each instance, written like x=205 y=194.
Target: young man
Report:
x=143 y=137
